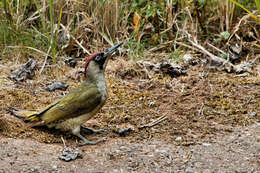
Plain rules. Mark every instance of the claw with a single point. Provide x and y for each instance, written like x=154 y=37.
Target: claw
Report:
x=91 y=131
x=87 y=142
x=84 y=141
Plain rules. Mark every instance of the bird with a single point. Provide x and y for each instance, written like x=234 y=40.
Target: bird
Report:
x=79 y=105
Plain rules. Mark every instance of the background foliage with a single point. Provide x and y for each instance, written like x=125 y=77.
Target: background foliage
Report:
x=145 y=26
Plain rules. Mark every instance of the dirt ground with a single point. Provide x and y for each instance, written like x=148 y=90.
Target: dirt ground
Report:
x=211 y=125
x=238 y=151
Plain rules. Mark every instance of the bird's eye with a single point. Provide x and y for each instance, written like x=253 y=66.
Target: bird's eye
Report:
x=97 y=58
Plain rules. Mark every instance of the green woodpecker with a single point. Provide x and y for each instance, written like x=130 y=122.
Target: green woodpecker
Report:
x=82 y=103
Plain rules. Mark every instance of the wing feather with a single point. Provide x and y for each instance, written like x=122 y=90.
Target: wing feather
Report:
x=78 y=102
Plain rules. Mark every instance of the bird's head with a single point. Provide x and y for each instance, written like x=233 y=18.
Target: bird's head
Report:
x=99 y=60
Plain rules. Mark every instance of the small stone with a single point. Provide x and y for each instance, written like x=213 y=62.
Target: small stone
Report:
x=111 y=156
x=26 y=71
x=71 y=62
x=172 y=69
x=9 y=154
x=11 y=162
x=178 y=139
x=189 y=170
x=57 y=86
x=168 y=86
x=54 y=166
x=117 y=151
x=236 y=49
x=243 y=75
x=116 y=171
x=202 y=75
x=69 y=154
x=161 y=151
x=187 y=57
x=206 y=144
x=252 y=114
x=122 y=132
x=244 y=67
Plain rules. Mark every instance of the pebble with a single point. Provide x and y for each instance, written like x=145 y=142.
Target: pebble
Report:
x=54 y=166
x=69 y=154
x=71 y=62
x=161 y=151
x=9 y=154
x=252 y=114
x=206 y=144
x=189 y=170
x=57 y=86
x=178 y=139
x=187 y=57
x=123 y=132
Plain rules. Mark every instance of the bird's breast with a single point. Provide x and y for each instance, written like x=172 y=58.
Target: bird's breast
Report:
x=102 y=87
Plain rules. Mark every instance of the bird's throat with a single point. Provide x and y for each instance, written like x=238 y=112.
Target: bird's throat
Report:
x=102 y=86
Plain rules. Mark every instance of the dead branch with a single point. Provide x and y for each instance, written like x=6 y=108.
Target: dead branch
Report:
x=236 y=28
x=76 y=41
x=157 y=121
x=45 y=60
x=221 y=51
x=226 y=64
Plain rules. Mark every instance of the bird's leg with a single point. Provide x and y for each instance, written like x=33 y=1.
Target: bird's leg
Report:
x=90 y=130
x=84 y=141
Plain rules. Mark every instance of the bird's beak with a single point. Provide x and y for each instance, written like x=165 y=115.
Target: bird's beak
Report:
x=112 y=49
x=108 y=52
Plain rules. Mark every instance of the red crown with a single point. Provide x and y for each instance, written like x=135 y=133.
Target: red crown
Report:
x=90 y=57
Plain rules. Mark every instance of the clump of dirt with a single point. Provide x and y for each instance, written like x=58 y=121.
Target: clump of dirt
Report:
x=198 y=105
x=132 y=71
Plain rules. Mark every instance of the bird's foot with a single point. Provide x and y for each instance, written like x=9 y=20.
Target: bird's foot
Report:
x=87 y=142
x=91 y=131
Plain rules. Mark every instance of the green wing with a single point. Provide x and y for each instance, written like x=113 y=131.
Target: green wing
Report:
x=79 y=101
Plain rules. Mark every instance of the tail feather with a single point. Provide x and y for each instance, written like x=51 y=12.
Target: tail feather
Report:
x=27 y=116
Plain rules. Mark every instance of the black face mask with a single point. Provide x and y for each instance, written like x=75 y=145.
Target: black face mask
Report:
x=100 y=60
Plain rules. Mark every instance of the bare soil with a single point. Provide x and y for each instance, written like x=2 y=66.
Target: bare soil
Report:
x=238 y=151
x=212 y=122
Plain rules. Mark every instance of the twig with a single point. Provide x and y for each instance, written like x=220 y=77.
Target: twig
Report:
x=78 y=43
x=35 y=15
x=221 y=51
x=214 y=58
x=163 y=45
x=37 y=50
x=236 y=28
x=63 y=141
x=182 y=88
x=256 y=58
x=45 y=60
x=248 y=101
x=188 y=46
x=106 y=38
x=201 y=110
x=157 y=121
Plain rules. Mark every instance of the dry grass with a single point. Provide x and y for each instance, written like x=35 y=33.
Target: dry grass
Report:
x=142 y=26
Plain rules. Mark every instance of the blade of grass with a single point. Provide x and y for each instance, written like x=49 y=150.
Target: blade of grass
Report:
x=41 y=16
x=51 y=39
x=257 y=2
x=244 y=8
x=31 y=48
x=106 y=38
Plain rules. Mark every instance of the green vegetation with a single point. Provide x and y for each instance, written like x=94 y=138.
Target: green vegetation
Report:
x=160 y=25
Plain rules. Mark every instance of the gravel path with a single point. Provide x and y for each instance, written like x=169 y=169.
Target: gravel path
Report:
x=238 y=151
